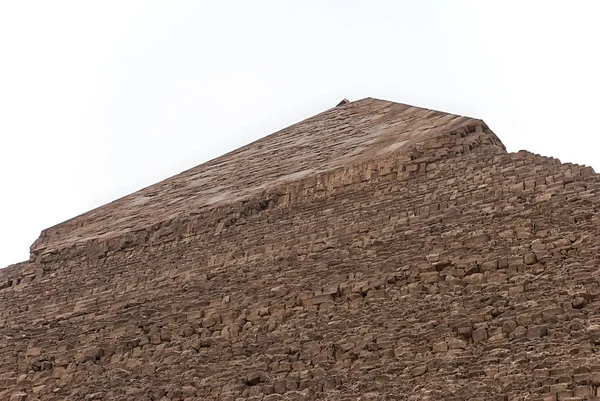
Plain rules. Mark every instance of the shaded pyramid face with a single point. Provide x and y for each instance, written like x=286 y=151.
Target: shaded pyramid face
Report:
x=375 y=251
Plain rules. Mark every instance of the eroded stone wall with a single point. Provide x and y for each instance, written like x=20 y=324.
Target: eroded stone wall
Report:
x=473 y=276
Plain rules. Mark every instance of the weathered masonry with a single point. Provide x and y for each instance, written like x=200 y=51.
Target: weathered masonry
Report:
x=376 y=251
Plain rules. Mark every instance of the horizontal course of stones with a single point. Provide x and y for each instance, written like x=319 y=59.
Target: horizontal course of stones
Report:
x=472 y=277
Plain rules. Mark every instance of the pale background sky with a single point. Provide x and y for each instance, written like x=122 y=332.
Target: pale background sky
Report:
x=99 y=99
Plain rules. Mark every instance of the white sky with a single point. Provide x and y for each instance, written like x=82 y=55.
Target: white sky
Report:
x=99 y=99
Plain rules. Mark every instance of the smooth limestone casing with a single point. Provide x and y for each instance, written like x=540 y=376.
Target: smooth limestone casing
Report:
x=375 y=251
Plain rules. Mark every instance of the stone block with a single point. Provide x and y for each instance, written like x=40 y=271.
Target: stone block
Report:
x=456 y=343
x=479 y=335
x=579 y=302
x=419 y=371
x=441 y=346
x=518 y=332
x=536 y=331
x=35 y=351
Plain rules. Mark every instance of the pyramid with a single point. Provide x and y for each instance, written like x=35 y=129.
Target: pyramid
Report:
x=375 y=251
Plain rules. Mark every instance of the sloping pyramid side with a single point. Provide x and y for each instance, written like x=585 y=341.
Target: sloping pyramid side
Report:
x=351 y=136
x=468 y=273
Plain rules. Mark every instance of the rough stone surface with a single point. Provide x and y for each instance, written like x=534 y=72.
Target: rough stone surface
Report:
x=376 y=251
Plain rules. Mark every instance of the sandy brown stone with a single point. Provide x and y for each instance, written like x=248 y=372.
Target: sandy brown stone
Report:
x=579 y=302
x=376 y=251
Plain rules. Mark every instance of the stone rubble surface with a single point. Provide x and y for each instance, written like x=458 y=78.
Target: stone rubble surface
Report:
x=429 y=265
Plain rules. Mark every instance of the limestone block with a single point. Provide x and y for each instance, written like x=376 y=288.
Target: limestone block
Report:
x=479 y=335
x=536 y=331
